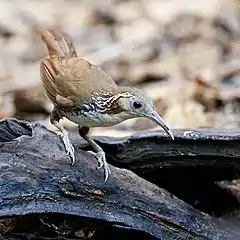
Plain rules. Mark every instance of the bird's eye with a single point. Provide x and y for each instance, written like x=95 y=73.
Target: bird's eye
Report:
x=137 y=104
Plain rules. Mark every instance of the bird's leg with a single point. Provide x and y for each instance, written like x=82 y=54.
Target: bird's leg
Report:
x=99 y=154
x=63 y=134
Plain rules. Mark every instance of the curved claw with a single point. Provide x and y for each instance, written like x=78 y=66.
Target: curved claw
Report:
x=101 y=158
x=100 y=165
x=67 y=144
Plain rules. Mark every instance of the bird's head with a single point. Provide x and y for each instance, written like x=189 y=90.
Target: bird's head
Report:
x=137 y=104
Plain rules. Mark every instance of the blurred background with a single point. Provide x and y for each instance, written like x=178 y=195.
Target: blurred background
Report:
x=184 y=53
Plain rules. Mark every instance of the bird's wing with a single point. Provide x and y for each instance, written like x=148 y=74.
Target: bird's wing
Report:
x=74 y=79
x=66 y=78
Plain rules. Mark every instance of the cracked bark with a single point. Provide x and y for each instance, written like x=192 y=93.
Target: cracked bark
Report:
x=38 y=181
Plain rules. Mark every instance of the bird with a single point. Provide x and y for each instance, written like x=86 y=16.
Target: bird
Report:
x=86 y=95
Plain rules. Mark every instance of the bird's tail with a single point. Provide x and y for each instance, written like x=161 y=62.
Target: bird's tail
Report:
x=59 y=43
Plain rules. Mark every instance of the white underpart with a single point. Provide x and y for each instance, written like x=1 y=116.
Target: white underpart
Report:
x=100 y=118
x=94 y=119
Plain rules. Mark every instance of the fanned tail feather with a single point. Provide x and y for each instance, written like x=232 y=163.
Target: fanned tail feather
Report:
x=59 y=43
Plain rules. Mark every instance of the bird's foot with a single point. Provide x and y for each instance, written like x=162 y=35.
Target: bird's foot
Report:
x=101 y=158
x=67 y=143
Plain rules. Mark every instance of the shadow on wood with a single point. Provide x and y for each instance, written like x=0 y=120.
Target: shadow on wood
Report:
x=188 y=167
x=37 y=180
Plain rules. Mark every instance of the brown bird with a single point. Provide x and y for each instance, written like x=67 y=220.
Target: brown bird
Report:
x=86 y=95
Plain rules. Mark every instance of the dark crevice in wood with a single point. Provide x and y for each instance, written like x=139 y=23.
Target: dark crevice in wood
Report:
x=37 y=178
x=197 y=186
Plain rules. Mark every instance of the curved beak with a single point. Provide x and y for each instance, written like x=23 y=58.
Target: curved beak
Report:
x=158 y=120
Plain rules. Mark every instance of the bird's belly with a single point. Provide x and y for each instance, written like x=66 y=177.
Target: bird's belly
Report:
x=95 y=119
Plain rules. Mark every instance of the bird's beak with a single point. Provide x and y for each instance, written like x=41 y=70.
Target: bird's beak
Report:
x=157 y=119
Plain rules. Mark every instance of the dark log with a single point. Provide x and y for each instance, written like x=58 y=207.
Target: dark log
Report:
x=188 y=167
x=199 y=147
x=37 y=179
